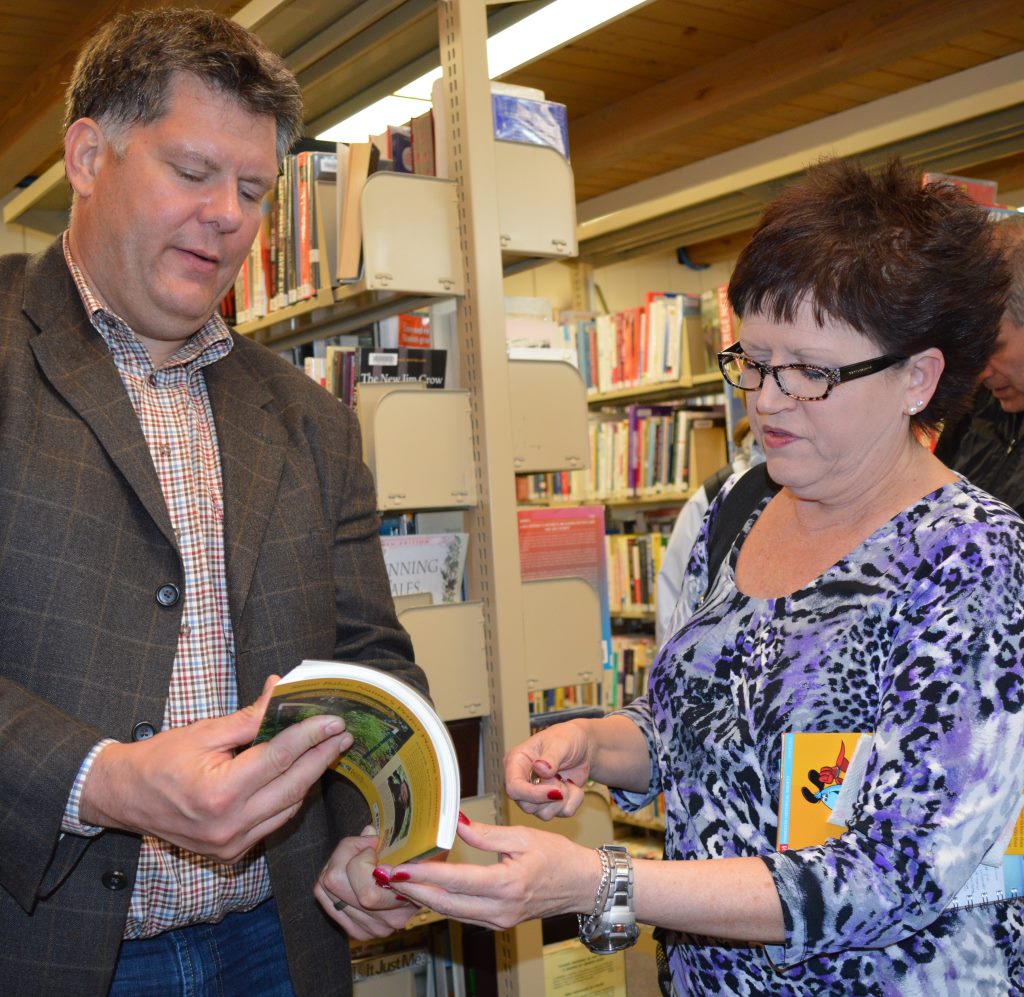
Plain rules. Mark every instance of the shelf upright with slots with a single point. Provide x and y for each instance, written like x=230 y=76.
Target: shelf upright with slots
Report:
x=493 y=567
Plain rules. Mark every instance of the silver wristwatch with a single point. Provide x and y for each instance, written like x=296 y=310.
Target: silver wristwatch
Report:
x=611 y=926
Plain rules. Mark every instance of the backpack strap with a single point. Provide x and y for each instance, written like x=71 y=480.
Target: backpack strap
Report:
x=735 y=510
x=713 y=482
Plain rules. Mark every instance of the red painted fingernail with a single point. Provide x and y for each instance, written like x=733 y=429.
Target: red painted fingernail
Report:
x=381 y=877
x=403 y=899
x=463 y=819
x=555 y=794
x=571 y=783
x=559 y=778
x=399 y=877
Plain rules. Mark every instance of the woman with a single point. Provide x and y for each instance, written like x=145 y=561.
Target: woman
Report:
x=875 y=591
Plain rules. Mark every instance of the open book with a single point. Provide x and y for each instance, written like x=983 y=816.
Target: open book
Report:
x=403 y=761
x=821 y=776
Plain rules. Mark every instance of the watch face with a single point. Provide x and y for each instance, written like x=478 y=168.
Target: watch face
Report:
x=619 y=938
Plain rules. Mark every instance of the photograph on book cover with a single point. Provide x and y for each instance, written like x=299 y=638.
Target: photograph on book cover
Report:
x=404 y=767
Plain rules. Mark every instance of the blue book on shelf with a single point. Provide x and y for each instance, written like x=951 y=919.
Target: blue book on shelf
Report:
x=536 y=122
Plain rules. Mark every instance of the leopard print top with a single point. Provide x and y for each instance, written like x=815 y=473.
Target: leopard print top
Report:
x=917 y=635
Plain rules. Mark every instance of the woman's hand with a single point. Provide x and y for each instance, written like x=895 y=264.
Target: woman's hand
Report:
x=355 y=894
x=546 y=773
x=538 y=874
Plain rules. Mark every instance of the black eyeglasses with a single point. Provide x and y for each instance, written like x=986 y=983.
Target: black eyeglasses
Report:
x=803 y=381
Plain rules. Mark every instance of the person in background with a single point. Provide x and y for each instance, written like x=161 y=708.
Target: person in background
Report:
x=183 y=516
x=872 y=590
x=985 y=446
x=669 y=608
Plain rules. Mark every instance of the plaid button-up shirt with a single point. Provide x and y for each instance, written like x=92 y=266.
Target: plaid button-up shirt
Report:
x=175 y=887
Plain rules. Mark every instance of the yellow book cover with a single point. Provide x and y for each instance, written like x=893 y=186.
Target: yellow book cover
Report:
x=402 y=761
x=814 y=767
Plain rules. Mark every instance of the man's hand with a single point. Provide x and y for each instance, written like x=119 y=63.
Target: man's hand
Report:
x=187 y=786
x=354 y=895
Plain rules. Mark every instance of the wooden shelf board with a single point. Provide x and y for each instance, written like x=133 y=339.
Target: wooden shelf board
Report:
x=647 y=615
x=635 y=501
x=701 y=384
x=647 y=823
x=48 y=193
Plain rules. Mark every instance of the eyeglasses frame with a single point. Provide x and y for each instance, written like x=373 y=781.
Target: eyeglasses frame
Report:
x=833 y=375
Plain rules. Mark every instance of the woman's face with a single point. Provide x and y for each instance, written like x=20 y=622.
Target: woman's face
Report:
x=840 y=447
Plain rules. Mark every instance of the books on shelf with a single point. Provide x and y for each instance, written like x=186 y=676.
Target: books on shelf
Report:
x=520 y=114
x=821 y=774
x=531 y=120
x=291 y=257
x=634 y=560
x=405 y=973
x=719 y=324
x=421 y=129
x=402 y=760
x=356 y=162
x=638 y=453
x=571 y=970
x=658 y=342
x=395 y=147
x=430 y=564
x=632 y=657
x=402 y=365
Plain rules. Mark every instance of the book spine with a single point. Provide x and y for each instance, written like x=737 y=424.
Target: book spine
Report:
x=785 y=790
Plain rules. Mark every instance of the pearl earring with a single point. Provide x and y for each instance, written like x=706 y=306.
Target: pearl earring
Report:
x=913 y=408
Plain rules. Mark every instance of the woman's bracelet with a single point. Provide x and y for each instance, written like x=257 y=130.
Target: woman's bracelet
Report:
x=587 y=923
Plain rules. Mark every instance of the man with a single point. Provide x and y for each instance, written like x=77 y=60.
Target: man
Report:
x=182 y=516
x=985 y=446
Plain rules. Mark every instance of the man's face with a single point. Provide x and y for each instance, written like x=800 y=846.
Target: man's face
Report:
x=1004 y=373
x=162 y=231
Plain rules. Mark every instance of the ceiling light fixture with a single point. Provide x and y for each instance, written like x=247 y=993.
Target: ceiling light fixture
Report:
x=549 y=28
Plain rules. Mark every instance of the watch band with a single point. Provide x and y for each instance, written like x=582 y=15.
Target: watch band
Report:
x=611 y=926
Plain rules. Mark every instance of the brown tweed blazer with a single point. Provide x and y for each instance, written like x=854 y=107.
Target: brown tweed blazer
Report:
x=86 y=650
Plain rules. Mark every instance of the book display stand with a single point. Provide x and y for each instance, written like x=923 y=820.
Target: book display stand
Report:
x=548 y=416
x=409 y=237
x=418 y=445
x=450 y=647
x=562 y=620
x=536 y=201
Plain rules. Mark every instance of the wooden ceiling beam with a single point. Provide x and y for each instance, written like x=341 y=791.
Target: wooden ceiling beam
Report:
x=853 y=39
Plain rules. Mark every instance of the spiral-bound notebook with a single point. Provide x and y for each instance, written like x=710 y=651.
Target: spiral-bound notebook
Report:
x=992 y=884
x=820 y=778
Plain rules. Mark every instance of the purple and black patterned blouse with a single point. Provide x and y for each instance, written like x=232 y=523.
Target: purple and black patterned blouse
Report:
x=917 y=635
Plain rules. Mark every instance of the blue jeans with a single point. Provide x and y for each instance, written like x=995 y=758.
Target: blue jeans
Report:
x=242 y=956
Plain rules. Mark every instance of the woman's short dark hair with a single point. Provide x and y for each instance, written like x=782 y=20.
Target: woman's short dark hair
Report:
x=910 y=266
x=123 y=75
